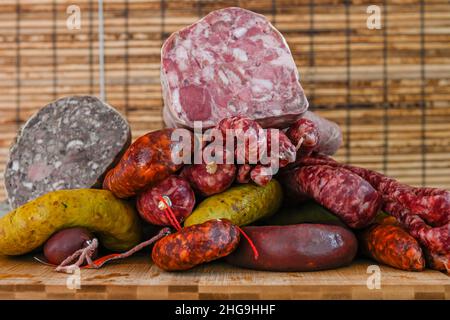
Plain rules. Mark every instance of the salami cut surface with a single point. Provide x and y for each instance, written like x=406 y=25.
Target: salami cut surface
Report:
x=232 y=62
x=68 y=144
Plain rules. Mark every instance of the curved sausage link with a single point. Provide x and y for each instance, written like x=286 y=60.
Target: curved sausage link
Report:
x=177 y=193
x=196 y=244
x=261 y=175
x=430 y=204
x=146 y=162
x=211 y=178
x=243 y=173
x=344 y=193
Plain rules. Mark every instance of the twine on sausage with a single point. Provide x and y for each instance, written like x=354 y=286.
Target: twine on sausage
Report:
x=250 y=242
x=84 y=255
x=169 y=214
x=101 y=261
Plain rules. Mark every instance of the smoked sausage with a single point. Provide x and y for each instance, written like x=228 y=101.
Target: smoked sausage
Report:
x=211 y=178
x=391 y=245
x=176 y=192
x=146 y=162
x=195 y=245
x=342 y=192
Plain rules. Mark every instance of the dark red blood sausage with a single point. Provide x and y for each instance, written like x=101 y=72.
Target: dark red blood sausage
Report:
x=300 y=247
x=65 y=242
x=344 y=193
x=211 y=178
x=196 y=244
x=176 y=192
x=146 y=162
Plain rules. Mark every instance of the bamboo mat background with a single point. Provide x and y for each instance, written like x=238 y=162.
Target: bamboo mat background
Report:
x=389 y=89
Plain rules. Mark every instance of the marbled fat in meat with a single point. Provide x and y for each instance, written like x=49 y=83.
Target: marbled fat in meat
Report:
x=231 y=62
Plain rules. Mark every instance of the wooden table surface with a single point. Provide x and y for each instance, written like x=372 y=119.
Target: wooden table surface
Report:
x=137 y=278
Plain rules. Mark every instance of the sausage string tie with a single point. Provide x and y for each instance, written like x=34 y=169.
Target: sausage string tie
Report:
x=165 y=204
x=101 y=261
x=85 y=255
x=250 y=242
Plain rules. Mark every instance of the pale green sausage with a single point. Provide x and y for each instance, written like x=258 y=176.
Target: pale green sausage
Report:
x=114 y=221
x=242 y=204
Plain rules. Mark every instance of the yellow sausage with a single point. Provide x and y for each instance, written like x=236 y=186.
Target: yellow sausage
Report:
x=114 y=221
x=242 y=204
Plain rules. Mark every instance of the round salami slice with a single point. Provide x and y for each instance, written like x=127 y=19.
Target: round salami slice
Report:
x=68 y=144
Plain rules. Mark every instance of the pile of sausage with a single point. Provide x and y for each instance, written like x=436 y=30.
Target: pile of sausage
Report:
x=250 y=87
x=355 y=195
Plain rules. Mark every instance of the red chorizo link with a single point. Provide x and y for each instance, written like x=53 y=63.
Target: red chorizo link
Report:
x=431 y=204
x=196 y=244
x=330 y=135
x=344 y=193
x=391 y=245
x=261 y=175
x=253 y=141
x=304 y=135
x=146 y=162
x=176 y=192
x=287 y=152
x=436 y=241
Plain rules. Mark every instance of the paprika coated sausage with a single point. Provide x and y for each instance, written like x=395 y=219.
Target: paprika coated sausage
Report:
x=176 y=193
x=195 y=245
x=342 y=192
x=146 y=162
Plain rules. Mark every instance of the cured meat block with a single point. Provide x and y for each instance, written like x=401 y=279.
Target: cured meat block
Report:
x=232 y=62
x=69 y=144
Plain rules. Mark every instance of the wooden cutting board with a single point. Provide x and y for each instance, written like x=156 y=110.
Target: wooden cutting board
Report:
x=137 y=278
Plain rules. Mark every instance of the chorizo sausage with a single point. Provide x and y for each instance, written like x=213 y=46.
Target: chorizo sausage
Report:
x=243 y=173
x=330 y=135
x=304 y=135
x=248 y=135
x=211 y=178
x=391 y=245
x=195 y=245
x=146 y=162
x=344 y=193
x=176 y=192
x=287 y=151
x=424 y=212
x=261 y=175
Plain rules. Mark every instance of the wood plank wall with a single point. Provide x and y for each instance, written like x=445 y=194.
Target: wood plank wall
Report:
x=389 y=89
